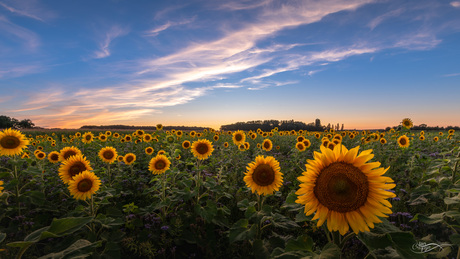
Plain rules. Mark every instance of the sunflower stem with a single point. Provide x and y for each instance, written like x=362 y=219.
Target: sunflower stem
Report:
x=328 y=234
x=345 y=239
x=16 y=177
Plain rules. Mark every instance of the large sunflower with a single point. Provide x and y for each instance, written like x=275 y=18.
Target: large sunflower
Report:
x=53 y=157
x=12 y=142
x=108 y=154
x=267 y=145
x=239 y=137
x=67 y=152
x=159 y=164
x=83 y=185
x=403 y=141
x=73 y=166
x=342 y=188
x=407 y=123
x=202 y=148
x=263 y=175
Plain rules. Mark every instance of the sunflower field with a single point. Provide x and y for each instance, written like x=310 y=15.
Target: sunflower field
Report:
x=240 y=194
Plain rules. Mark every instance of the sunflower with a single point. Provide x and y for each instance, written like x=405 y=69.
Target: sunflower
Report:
x=140 y=133
x=12 y=142
x=159 y=126
x=239 y=137
x=73 y=166
x=161 y=152
x=120 y=158
x=307 y=143
x=129 y=158
x=116 y=135
x=53 y=157
x=179 y=133
x=193 y=134
x=342 y=188
x=263 y=175
x=226 y=144
x=422 y=137
x=300 y=146
x=451 y=131
x=202 y=148
x=440 y=133
x=83 y=185
x=147 y=138
x=108 y=154
x=407 y=123
x=1 y=187
x=435 y=139
x=108 y=133
x=40 y=155
x=403 y=141
x=186 y=144
x=331 y=145
x=383 y=141
x=102 y=137
x=216 y=137
x=149 y=150
x=67 y=152
x=25 y=155
x=267 y=145
x=128 y=138
x=159 y=164
x=246 y=145
x=242 y=147
x=87 y=137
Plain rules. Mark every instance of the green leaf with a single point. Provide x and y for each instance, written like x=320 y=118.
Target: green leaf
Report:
x=79 y=248
x=330 y=251
x=259 y=249
x=432 y=219
x=35 y=197
x=240 y=231
x=455 y=239
x=303 y=243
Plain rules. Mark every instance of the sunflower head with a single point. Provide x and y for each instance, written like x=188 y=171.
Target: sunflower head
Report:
x=186 y=144
x=342 y=188
x=202 y=149
x=83 y=185
x=267 y=145
x=307 y=143
x=53 y=157
x=108 y=154
x=403 y=141
x=300 y=146
x=12 y=142
x=407 y=123
x=129 y=158
x=147 y=137
x=159 y=164
x=67 y=152
x=149 y=150
x=226 y=144
x=435 y=139
x=383 y=141
x=87 y=138
x=239 y=137
x=73 y=166
x=40 y=155
x=263 y=175
x=422 y=137
x=159 y=126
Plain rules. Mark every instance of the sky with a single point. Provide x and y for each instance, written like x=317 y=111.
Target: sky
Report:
x=365 y=63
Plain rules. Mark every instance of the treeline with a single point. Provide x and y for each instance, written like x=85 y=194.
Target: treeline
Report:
x=426 y=127
x=268 y=125
x=125 y=127
x=8 y=122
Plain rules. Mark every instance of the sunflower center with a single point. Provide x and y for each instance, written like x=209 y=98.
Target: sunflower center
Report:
x=84 y=185
x=88 y=137
x=10 y=142
x=263 y=175
x=403 y=141
x=54 y=157
x=341 y=187
x=69 y=153
x=202 y=148
x=129 y=159
x=266 y=144
x=76 y=168
x=160 y=164
x=108 y=154
x=238 y=137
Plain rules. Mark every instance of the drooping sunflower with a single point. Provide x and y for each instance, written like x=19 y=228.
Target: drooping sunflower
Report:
x=342 y=188
x=83 y=185
x=407 y=123
x=403 y=141
x=263 y=175
x=40 y=155
x=300 y=146
x=159 y=164
x=239 y=137
x=129 y=158
x=12 y=142
x=267 y=145
x=202 y=149
x=53 y=157
x=186 y=144
x=67 y=152
x=87 y=138
x=149 y=150
x=108 y=154
x=73 y=166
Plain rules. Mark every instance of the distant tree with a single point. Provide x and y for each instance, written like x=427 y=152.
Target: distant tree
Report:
x=26 y=124
x=7 y=122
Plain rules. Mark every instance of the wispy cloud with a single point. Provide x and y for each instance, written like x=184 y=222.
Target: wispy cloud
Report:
x=455 y=4
x=423 y=40
x=244 y=4
x=30 y=9
x=14 y=70
x=381 y=18
x=18 y=32
x=113 y=33
x=450 y=75
x=155 y=31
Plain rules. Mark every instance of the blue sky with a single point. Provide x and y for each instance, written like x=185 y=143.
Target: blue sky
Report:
x=367 y=64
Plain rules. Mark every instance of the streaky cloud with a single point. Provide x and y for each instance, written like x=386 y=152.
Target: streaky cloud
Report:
x=111 y=35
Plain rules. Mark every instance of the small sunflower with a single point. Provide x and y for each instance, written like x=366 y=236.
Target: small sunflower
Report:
x=422 y=137
x=1 y=187
x=263 y=175
x=67 y=152
x=149 y=150
x=129 y=158
x=128 y=138
x=53 y=157
x=147 y=138
x=186 y=144
x=300 y=138
x=140 y=133
x=403 y=141
x=407 y=123
x=300 y=146
x=202 y=149
x=159 y=126
x=83 y=185
x=87 y=138
x=216 y=137
x=267 y=145
x=342 y=188
x=226 y=144
x=159 y=164
x=451 y=131
x=12 y=142
x=246 y=145
x=103 y=138
x=441 y=133
x=40 y=155
x=120 y=158
x=73 y=166
x=383 y=141
x=239 y=137
x=108 y=154
x=307 y=143
x=435 y=139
